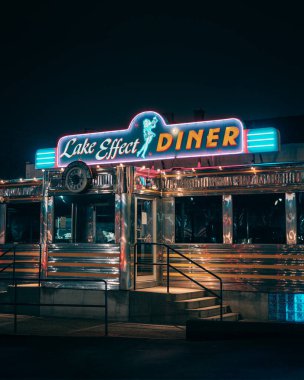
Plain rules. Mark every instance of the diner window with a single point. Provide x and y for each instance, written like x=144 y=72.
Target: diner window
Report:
x=63 y=219
x=198 y=219
x=84 y=219
x=23 y=223
x=259 y=219
x=300 y=217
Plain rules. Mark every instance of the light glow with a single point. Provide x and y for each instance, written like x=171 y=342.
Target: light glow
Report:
x=45 y=158
x=149 y=138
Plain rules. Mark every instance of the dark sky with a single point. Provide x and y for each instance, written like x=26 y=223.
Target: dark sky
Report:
x=69 y=66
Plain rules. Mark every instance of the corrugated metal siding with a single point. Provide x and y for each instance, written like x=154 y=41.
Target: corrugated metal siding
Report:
x=267 y=268
x=85 y=261
x=27 y=261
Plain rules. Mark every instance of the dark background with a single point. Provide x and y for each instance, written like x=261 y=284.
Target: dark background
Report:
x=75 y=66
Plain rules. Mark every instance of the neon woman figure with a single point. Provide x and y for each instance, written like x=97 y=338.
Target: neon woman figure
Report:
x=149 y=135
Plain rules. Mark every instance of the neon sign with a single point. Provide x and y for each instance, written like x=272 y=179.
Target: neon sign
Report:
x=150 y=138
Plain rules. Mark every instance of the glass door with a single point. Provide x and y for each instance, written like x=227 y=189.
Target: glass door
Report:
x=145 y=233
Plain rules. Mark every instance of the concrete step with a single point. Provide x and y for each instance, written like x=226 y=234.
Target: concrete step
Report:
x=193 y=303
x=175 y=294
x=226 y=317
x=205 y=312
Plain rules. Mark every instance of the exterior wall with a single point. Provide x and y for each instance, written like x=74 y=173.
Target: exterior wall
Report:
x=118 y=303
x=84 y=261
x=243 y=267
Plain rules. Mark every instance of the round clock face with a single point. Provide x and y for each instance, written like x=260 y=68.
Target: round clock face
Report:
x=77 y=177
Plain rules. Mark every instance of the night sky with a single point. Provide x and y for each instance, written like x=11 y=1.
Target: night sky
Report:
x=70 y=67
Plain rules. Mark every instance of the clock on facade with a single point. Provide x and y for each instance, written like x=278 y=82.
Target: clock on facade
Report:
x=77 y=177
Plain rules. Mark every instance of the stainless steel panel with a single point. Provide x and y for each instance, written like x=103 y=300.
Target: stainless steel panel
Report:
x=168 y=220
x=21 y=191
x=104 y=180
x=246 y=267
x=84 y=261
x=291 y=218
x=26 y=264
x=126 y=239
x=117 y=218
x=50 y=220
x=121 y=180
x=2 y=222
x=236 y=181
x=227 y=220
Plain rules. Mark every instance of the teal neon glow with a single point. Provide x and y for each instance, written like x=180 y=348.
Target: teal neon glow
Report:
x=263 y=140
x=45 y=158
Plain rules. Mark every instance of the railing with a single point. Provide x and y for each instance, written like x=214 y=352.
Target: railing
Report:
x=169 y=265
x=39 y=304
x=13 y=262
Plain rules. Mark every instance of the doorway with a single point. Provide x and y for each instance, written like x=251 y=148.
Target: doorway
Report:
x=145 y=232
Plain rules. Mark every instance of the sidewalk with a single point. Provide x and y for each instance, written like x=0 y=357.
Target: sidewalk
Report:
x=77 y=327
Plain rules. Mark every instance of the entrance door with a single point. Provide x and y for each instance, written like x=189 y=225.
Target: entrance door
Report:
x=145 y=233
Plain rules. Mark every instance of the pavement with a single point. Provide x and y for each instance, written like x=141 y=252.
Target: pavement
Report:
x=62 y=348
x=79 y=327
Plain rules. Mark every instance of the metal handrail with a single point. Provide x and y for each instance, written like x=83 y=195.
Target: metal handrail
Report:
x=13 y=262
x=53 y=279
x=169 y=265
x=13 y=247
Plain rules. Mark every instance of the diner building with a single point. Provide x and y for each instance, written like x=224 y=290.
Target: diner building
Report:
x=224 y=204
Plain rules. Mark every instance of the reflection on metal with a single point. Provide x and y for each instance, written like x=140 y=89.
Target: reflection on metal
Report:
x=21 y=191
x=160 y=221
x=103 y=180
x=44 y=225
x=121 y=180
x=125 y=179
x=117 y=226
x=291 y=218
x=2 y=223
x=126 y=239
x=130 y=179
x=252 y=179
x=168 y=220
x=27 y=257
x=50 y=220
x=91 y=261
x=244 y=267
x=227 y=219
